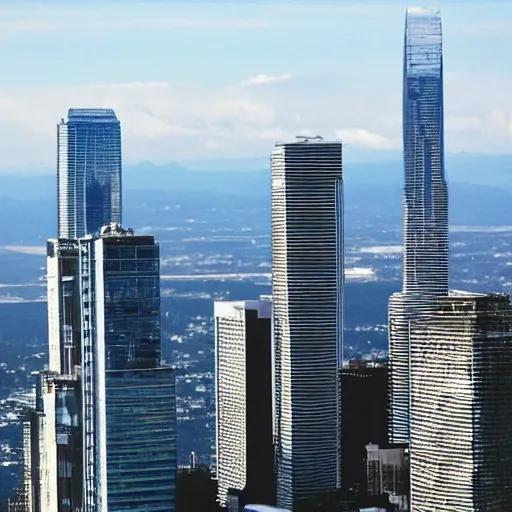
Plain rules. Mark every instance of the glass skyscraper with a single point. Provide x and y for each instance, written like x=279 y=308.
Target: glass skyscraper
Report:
x=425 y=203
x=129 y=409
x=307 y=291
x=88 y=172
x=64 y=330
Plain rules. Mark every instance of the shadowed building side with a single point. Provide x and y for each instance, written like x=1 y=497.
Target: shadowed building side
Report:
x=364 y=409
x=243 y=362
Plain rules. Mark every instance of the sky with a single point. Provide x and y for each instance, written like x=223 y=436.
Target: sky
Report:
x=219 y=79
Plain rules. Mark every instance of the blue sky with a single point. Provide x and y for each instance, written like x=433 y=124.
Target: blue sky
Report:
x=220 y=79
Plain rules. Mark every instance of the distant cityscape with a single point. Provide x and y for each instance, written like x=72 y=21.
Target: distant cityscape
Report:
x=289 y=350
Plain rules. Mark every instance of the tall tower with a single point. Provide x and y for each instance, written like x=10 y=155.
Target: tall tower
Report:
x=425 y=202
x=63 y=305
x=129 y=398
x=461 y=441
x=88 y=172
x=307 y=289
x=243 y=384
x=103 y=434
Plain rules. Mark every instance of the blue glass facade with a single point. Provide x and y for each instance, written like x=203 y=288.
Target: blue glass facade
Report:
x=141 y=440
x=425 y=269
x=88 y=172
x=425 y=204
x=131 y=281
x=129 y=398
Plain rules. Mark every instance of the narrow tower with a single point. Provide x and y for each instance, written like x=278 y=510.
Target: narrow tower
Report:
x=88 y=171
x=243 y=390
x=425 y=202
x=307 y=289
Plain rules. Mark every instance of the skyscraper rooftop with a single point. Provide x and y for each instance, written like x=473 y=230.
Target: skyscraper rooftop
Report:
x=76 y=115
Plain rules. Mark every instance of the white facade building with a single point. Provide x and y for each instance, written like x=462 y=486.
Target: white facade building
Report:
x=461 y=440
x=307 y=290
x=243 y=390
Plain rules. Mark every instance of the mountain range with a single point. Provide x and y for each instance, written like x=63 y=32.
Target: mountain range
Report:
x=251 y=175
x=480 y=191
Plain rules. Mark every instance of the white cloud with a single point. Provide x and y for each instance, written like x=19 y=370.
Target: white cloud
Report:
x=211 y=144
x=129 y=85
x=192 y=23
x=501 y=28
x=148 y=126
x=463 y=123
x=274 y=134
x=26 y=25
x=165 y=121
x=160 y=121
x=367 y=139
x=224 y=23
x=267 y=79
x=500 y=120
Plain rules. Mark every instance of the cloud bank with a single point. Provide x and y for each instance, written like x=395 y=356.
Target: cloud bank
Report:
x=163 y=121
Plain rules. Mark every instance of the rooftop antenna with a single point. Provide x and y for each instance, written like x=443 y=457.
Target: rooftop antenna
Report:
x=307 y=138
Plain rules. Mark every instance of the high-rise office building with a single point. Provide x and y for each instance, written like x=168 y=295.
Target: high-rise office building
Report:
x=461 y=440
x=425 y=202
x=27 y=494
x=52 y=440
x=387 y=474
x=307 y=292
x=129 y=409
x=64 y=329
x=243 y=373
x=42 y=470
x=364 y=409
x=88 y=172
x=103 y=433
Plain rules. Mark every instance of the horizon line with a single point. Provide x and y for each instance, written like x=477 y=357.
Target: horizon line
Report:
x=42 y=169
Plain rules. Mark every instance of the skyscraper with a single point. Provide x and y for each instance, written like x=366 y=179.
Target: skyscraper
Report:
x=129 y=409
x=364 y=408
x=307 y=290
x=425 y=202
x=461 y=440
x=387 y=473
x=243 y=373
x=103 y=434
x=64 y=330
x=88 y=172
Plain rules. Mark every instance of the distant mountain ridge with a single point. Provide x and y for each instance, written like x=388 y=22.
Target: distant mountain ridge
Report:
x=251 y=175
x=480 y=193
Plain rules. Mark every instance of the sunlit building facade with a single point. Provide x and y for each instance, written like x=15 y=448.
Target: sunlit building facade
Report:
x=461 y=440
x=64 y=330
x=307 y=292
x=243 y=390
x=425 y=202
x=88 y=171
